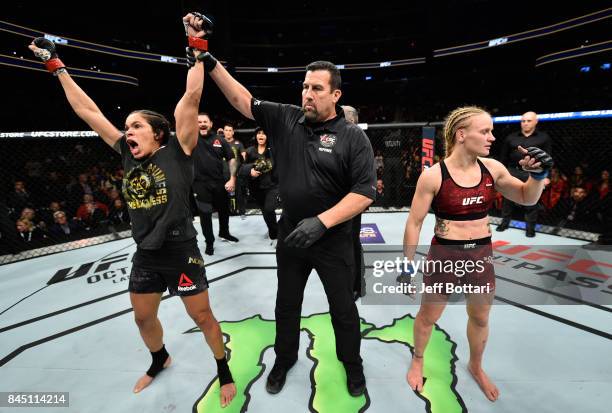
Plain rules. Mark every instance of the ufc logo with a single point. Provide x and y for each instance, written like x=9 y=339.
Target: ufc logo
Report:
x=473 y=200
x=427 y=153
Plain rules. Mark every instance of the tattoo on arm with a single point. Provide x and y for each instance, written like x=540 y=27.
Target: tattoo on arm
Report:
x=441 y=227
x=233 y=167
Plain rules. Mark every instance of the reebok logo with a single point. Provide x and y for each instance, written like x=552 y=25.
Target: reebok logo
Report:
x=185 y=284
x=473 y=200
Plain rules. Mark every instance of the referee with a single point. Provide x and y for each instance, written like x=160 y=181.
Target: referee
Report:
x=326 y=177
x=510 y=156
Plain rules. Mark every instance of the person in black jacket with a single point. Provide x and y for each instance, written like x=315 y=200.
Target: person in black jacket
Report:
x=511 y=155
x=577 y=211
x=118 y=214
x=64 y=229
x=258 y=171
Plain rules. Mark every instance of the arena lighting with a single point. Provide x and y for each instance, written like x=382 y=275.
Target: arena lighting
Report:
x=134 y=54
x=346 y=66
x=600 y=47
x=605 y=66
x=29 y=64
x=590 y=114
x=529 y=34
x=94 y=47
x=585 y=69
x=587 y=114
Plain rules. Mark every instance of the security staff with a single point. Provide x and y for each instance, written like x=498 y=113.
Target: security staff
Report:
x=209 y=184
x=351 y=115
x=326 y=177
x=510 y=156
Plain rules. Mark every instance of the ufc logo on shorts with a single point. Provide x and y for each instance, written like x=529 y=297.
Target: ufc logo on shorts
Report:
x=473 y=200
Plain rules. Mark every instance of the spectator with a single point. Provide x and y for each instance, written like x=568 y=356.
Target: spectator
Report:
x=94 y=215
x=118 y=213
x=603 y=186
x=28 y=232
x=113 y=194
x=19 y=198
x=98 y=192
x=28 y=214
x=556 y=188
x=63 y=229
x=380 y=163
x=576 y=211
x=46 y=214
x=116 y=179
x=380 y=193
x=85 y=210
x=77 y=190
x=578 y=179
x=53 y=188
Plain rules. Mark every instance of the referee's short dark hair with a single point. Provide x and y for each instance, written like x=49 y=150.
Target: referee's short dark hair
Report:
x=335 y=79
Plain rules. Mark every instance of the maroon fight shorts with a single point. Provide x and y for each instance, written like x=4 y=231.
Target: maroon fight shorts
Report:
x=460 y=266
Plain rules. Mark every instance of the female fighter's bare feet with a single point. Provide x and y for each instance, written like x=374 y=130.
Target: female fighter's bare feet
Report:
x=415 y=374
x=486 y=385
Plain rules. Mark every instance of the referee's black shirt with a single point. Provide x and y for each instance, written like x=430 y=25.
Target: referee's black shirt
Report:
x=318 y=164
x=510 y=155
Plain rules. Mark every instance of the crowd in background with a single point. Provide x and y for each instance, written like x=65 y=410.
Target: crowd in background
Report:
x=57 y=195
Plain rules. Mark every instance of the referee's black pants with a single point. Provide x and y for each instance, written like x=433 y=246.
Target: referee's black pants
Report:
x=332 y=258
x=359 y=269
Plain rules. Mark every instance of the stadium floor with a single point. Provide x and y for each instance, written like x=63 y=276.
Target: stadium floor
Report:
x=78 y=335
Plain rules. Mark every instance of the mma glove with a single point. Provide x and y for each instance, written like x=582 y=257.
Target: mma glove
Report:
x=209 y=61
x=545 y=160
x=306 y=233
x=201 y=44
x=47 y=53
x=405 y=276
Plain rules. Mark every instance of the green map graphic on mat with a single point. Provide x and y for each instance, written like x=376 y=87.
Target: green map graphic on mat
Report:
x=248 y=339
